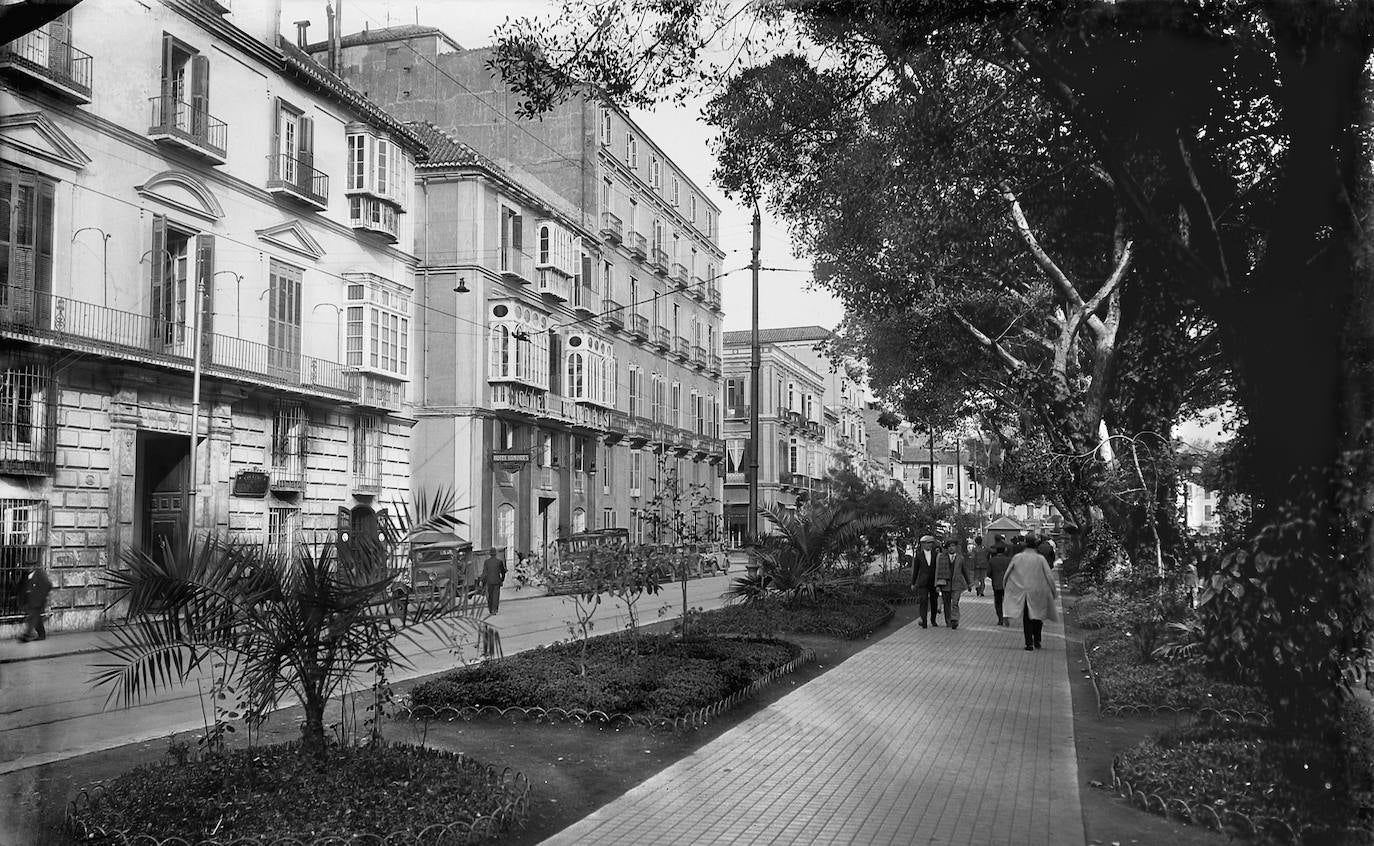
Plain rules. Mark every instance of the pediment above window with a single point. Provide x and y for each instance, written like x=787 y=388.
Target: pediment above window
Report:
x=35 y=133
x=292 y=235
x=183 y=192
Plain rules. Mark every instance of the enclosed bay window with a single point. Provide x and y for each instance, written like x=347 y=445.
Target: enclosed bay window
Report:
x=518 y=346
x=588 y=365
x=378 y=318
x=377 y=166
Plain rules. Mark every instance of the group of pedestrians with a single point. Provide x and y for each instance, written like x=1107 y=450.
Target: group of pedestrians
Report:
x=1021 y=576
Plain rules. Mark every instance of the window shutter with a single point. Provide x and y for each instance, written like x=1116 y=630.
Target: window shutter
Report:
x=555 y=362
x=205 y=275
x=517 y=232
x=157 y=276
x=200 y=95
x=42 y=271
x=275 y=169
x=167 y=49
x=59 y=35
x=586 y=271
x=306 y=156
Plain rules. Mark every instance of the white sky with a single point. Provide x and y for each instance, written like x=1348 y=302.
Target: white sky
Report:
x=783 y=299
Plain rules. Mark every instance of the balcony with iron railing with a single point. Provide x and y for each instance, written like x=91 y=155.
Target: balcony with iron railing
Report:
x=639 y=245
x=613 y=313
x=554 y=284
x=612 y=228
x=189 y=127
x=683 y=349
x=65 y=323
x=713 y=363
x=662 y=338
x=680 y=275
x=698 y=355
x=658 y=260
x=713 y=296
x=375 y=391
x=639 y=325
x=51 y=62
x=288 y=176
x=736 y=412
x=516 y=266
x=698 y=289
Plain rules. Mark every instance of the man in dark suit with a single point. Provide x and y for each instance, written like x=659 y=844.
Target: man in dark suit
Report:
x=493 y=574
x=923 y=580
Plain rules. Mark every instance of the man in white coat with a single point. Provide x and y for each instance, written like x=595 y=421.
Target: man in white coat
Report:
x=1030 y=590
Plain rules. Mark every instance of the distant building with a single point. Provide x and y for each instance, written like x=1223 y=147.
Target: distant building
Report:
x=586 y=352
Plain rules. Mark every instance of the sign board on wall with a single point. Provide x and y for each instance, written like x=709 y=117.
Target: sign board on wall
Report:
x=250 y=483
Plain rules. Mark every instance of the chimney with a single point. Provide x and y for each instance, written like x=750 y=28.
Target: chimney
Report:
x=331 y=47
x=301 y=39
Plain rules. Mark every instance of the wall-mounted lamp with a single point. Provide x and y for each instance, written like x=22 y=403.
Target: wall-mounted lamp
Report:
x=462 y=286
x=104 y=261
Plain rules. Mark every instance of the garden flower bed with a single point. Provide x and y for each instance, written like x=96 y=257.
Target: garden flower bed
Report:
x=1245 y=779
x=1126 y=684
x=654 y=680
x=845 y=615
x=278 y=795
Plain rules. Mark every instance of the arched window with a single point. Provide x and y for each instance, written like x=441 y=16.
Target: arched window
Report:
x=579 y=520
x=505 y=530
x=501 y=351
x=544 y=245
x=577 y=375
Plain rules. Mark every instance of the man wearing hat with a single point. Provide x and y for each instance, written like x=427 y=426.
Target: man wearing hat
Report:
x=997 y=569
x=493 y=574
x=923 y=580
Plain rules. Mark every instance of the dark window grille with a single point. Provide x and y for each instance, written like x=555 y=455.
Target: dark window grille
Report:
x=28 y=416
x=23 y=534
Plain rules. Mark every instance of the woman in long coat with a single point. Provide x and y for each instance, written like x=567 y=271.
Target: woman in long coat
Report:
x=1030 y=591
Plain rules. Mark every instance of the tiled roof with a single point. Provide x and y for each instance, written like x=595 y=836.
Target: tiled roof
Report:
x=917 y=455
x=779 y=336
x=383 y=34
x=447 y=151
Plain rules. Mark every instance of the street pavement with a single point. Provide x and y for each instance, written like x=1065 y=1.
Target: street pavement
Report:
x=49 y=711
x=929 y=736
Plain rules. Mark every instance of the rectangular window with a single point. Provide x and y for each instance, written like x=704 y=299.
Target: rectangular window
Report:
x=607 y=280
x=634 y=391
x=677 y=192
x=605 y=126
x=356 y=177
x=636 y=472
x=710 y=224
x=379 y=331
x=284 y=319
x=631 y=150
x=367 y=451
x=26 y=239
x=655 y=173
x=383 y=167
x=692 y=208
x=676 y=406
x=608 y=518
x=283 y=529
x=288 y=442
x=23 y=523
x=607 y=196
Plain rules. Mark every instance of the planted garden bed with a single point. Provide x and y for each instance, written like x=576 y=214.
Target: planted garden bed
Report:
x=653 y=680
x=1126 y=684
x=843 y=615
x=1247 y=779
x=277 y=795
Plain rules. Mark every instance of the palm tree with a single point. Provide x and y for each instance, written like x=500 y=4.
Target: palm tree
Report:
x=802 y=544
x=306 y=623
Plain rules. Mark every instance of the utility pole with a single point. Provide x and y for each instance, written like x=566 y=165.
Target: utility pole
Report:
x=754 y=398
x=958 y=480
x=191 y=489
x=930 y=430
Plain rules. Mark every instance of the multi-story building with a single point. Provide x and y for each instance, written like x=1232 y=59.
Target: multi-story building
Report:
x=582 y=368
x=884 y=452
x=205 y=265
x=810 y=421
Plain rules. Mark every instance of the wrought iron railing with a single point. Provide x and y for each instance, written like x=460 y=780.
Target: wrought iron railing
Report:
x=698 y=354
x=123 y=333
x=290 y=173
x=179 y=119
x=713 y=296
x=288 y=472
x=613 y=312
x=639 y=244
x=683 y=349
x=639 y=324
x=661 y=336
x=680 y=275
x=53 y=58
x=611 y=226
x=660 y=260
x=714 y=362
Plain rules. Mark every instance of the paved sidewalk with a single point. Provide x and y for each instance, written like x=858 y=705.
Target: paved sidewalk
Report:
x=930 y=736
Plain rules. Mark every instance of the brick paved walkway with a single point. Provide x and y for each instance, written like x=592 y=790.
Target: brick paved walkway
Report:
x=930 y=736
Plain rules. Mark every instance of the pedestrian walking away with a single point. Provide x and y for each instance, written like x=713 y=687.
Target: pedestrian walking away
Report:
x=1030 y=589
x=33 y=596
x=980 y=564
x=997 y=571
x=1047 y=550
x=952 y=578
x=923 y=579
x=493 y=574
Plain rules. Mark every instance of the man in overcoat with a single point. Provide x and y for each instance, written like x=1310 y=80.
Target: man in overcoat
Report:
x=952 y=579
x=923 y=580
x=978 y=567
x=997 y=569
x=33 y=595
x=493 y=574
